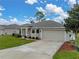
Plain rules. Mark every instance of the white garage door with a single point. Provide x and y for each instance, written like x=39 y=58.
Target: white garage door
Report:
x=53 y=35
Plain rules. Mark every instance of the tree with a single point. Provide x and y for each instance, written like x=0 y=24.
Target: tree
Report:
x=40 y=16
x=72 y=22
x=32 y=22
x=31 y=19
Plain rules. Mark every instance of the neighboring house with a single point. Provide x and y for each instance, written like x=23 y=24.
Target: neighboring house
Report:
x=45 y=30
x=70 y=35
x=1 y=30
x=9 y=29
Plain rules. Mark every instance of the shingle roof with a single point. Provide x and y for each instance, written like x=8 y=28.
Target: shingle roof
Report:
x=1 y=27
x=39 y=24
x=12 y=26
x=26 y=25
x=47 y=24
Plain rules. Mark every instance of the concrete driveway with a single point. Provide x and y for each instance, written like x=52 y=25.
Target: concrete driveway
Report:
x=37 y=50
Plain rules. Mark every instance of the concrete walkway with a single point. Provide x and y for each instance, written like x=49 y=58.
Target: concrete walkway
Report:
x=36 y=50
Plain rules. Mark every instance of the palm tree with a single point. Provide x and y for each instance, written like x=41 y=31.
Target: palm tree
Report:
x=40 y=16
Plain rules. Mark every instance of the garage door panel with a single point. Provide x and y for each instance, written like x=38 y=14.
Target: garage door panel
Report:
x=53 y=35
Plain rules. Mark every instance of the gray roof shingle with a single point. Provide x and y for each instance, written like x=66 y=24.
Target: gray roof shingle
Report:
x=48 y=23
x=11 y=26
x=1 y=27
x=26 y=25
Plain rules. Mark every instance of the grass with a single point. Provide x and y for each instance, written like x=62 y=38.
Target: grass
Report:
x=65 y=54
x=9 y=41
x=77 y=40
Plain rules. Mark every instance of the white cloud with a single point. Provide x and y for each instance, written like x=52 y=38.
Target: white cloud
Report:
x=54 y=8
x=41 y=9
x=1 y=8
x=48 y=19
x=4 y=21
x=58 y=10
x=71 y=2
x=13 y=20
x=31 y=2
x=0 y=14
x=16 y=21
x=59 y=19
x=43 y=1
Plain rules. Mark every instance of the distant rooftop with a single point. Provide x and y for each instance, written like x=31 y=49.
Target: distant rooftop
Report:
x=11 y=26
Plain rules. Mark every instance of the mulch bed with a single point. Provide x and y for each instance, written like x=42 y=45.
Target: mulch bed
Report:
x=67 y=46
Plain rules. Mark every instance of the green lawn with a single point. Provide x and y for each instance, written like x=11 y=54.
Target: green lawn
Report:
x=63 y=54
x=77 y=40
x=8 y=41
x=66 y=55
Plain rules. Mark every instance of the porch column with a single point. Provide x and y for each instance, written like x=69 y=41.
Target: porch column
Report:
x=31 y=32
x=26 y=30
x=65 y=36
x=41 y=34
x=21 y=31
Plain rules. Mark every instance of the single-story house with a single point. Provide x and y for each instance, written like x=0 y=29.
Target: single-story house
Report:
x=9 y=29
x=46 y=30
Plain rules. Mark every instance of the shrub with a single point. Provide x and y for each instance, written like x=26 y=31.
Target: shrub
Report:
x=33 y=37
x=13 y=34
x=16 y=35
x=29 y=37
x=37 y=38
x=2 y=34
x=25 y=36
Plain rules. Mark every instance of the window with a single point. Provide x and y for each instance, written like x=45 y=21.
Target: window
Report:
x=24 y=32
x=33 y=31
x=37 y=31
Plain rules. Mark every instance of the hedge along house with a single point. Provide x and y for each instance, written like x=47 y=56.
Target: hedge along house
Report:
x=45 y=30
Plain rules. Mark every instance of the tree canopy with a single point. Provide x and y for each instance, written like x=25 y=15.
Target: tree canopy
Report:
x=72 y=22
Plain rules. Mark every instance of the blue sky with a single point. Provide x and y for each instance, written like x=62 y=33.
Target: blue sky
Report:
x=19 y=11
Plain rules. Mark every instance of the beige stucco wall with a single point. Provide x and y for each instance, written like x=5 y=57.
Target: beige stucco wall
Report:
x=35 y=34
x=50 y=34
